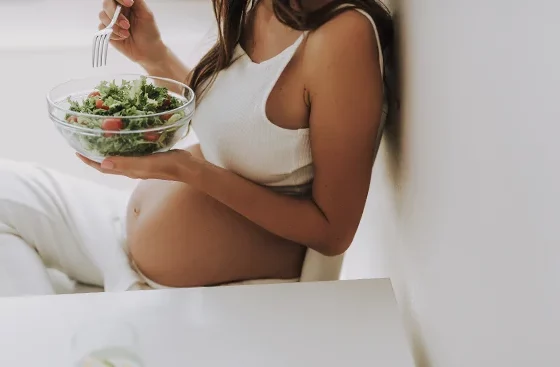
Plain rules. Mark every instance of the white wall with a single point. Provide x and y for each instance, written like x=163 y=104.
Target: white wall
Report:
x=466 y=197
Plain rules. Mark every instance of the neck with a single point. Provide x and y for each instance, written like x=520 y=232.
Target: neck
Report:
x=267 y=4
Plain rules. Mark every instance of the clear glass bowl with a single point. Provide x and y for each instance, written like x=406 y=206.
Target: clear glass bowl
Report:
x=97 y=143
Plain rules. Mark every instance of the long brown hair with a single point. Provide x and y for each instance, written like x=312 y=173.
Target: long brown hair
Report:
x=232 y=15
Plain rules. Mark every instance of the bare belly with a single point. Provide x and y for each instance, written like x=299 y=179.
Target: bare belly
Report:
x=181 y=237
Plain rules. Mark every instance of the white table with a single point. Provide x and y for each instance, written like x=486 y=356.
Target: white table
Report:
x=346 y=323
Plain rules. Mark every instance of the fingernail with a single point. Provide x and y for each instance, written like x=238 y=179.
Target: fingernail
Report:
x=107 y=164
x=124 y=24
x=128 y=2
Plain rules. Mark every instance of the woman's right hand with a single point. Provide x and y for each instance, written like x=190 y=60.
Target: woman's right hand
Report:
x=136 y=34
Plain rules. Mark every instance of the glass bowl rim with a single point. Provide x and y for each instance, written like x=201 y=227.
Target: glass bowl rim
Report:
x=189 y=101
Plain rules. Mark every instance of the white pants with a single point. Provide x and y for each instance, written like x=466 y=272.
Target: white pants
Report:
x=50 y=220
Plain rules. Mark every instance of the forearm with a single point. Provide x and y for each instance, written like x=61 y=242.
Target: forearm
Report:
x=169 y=66
x=298 y=220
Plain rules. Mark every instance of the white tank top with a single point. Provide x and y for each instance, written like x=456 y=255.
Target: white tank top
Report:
x=235 y=133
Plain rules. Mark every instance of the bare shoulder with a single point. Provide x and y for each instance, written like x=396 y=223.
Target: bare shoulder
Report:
x=348 y=36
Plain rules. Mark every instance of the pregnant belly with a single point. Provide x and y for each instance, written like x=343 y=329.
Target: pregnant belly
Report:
x=181 y=237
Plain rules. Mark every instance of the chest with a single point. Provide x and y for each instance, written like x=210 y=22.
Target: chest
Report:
x=251 y=121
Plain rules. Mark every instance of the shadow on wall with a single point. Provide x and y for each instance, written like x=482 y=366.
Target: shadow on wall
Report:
x=396 y=164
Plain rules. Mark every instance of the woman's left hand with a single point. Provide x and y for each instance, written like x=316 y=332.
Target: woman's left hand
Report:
x=159 y=166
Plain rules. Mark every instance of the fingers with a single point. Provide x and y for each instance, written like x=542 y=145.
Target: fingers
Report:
x=123 y=22
x=111 y=5
x=139 y=7
x=120 y=30
x=115 y=36
x=105 y=17
x=127 y=3
x=90 y=163
x=109 y=8
x=100 y=167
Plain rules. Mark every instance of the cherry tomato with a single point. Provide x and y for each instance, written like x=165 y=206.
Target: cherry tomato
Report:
x=166 y=102
x=111 y=125
x=151 y=136
x=72 y=119
x=95 y=93
x=99 y=104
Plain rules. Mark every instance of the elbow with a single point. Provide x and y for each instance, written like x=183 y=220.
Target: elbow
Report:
x=333 y=251
x=335 y=245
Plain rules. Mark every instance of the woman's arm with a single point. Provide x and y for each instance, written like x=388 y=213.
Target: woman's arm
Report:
x=169 y=66
x=345 y=89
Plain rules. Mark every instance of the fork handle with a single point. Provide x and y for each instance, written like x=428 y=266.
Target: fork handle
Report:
x=115 y=17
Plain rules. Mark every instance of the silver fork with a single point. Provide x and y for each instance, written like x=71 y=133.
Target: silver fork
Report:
x=101 y=42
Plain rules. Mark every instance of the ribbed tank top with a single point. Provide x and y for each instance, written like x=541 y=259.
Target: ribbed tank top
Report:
x=235 y=133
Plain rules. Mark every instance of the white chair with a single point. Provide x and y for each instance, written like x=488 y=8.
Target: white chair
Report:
x=319 y=268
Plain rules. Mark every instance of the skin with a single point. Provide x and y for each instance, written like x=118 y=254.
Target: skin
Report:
x=193 y=224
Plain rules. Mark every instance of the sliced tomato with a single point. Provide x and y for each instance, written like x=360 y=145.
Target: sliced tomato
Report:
x=72 y=119
x=167 y=116
x=111 y=125
x=99 y=104
x=151 y=136
x=95 y=93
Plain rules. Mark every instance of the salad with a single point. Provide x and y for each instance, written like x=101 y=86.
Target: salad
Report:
x=136 y=102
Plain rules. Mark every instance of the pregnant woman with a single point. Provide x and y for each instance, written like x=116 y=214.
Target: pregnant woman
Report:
x=292 y=98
